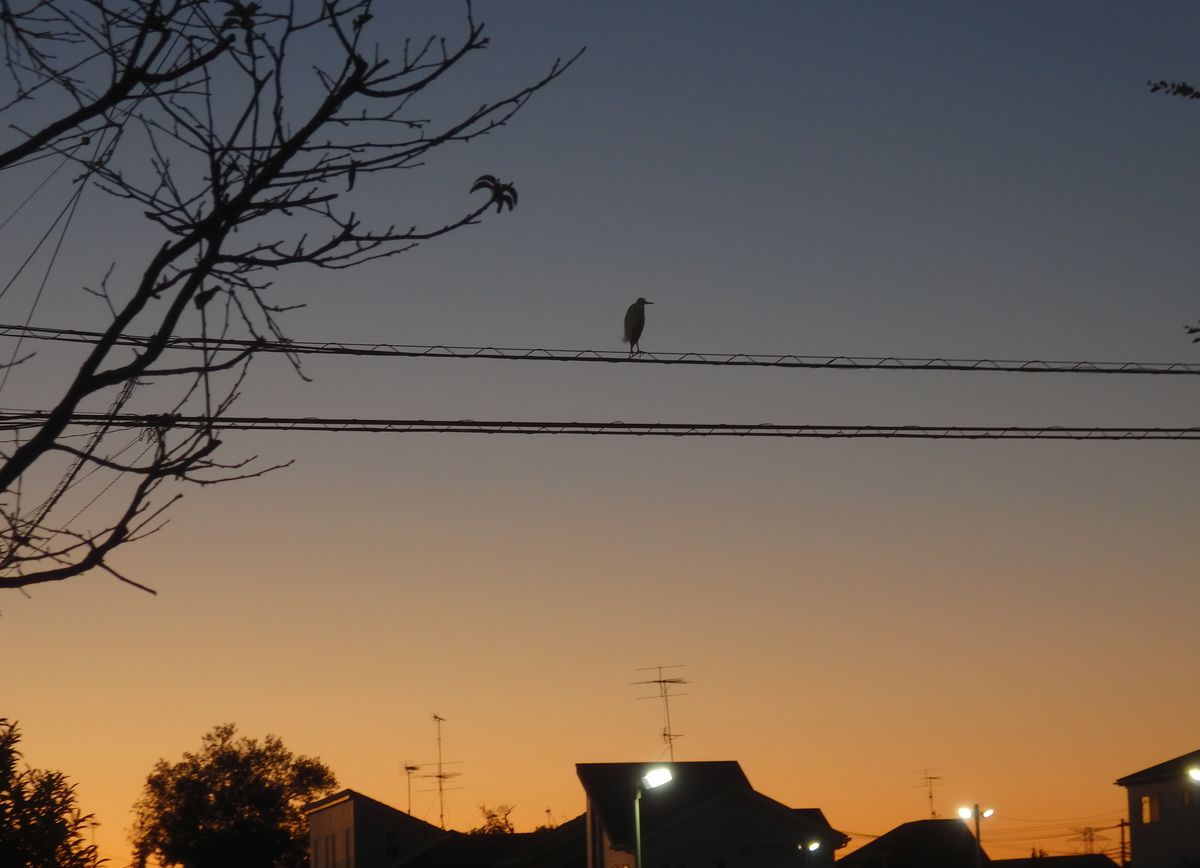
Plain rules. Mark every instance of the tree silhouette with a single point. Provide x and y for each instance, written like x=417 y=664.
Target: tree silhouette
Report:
x=495 y=821
x=40 y=823
x=189 y=111
x=234 y=804
x=1174 y=88
x=1186 y=91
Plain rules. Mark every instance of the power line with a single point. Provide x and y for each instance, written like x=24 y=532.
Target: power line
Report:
x=761 y=360
x=13 y=420
x=1116 y=812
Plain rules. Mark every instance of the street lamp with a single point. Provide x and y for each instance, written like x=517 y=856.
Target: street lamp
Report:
x=967 y=814
x=808 y=847
x=655 y=777
x=1194 y=773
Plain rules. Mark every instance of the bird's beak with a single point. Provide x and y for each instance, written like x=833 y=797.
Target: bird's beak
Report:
x=649 y=302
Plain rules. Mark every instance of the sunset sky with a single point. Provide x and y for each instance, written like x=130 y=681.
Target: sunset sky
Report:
x=930 y=179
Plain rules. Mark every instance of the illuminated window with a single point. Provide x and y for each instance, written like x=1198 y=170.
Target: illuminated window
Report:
x=1150 y=808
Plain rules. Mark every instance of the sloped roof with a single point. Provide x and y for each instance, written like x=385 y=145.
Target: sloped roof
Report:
x=919 y=844
x=411 y=835
x=362 y=799
x=756 y=823
x=610 y=789
x=698 y=792
x=1081 y=860
x=561 y=847
x=1169 y=769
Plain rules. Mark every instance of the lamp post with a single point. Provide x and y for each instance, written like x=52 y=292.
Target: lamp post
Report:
x=655 y=777
x=808 y=847
x=967 y=814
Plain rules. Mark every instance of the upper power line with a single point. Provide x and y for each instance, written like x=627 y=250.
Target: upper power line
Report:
x=14 y=420
x=760 y=360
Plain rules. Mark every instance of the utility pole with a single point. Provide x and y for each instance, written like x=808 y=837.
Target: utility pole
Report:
x=978 y=845
x=1124 y=857
x=976 y=813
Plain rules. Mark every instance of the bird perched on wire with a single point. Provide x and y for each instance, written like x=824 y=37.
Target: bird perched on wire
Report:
x=635 y=321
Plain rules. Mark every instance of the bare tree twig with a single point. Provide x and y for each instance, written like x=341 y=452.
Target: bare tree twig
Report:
x=195 y=120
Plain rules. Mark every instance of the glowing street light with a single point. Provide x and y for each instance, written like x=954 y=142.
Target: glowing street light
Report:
x=974 y=812
x=656 y=777
x=968 y=813
x=653 y=778
x=806 y=847
x=1194 y=773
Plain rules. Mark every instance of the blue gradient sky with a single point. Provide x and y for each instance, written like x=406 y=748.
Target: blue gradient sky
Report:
x=922 y=179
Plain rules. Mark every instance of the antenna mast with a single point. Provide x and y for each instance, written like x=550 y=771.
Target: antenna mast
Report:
x=442 y=775
x=928 y=779
x=409 y=768
x=665 y=683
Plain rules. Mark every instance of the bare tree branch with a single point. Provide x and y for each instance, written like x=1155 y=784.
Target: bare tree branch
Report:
x=244 y=174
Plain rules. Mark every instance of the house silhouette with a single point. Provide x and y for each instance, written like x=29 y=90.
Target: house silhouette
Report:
x=351 y=830
x=921 y=844
x=1164 y=813
x=707 y=817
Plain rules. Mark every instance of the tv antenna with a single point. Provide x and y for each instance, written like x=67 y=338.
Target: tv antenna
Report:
x=928 y=779
x=409 y=768
x=441 y=776
x=665 y=683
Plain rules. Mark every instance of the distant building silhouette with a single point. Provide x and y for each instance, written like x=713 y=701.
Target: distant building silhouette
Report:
x=560 y=847
x=1082 y=860
x=921 y=844
x=1164 y=814
x=708 y=816
x=350 y=830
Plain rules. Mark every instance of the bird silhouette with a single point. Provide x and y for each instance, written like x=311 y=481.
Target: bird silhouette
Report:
x=635 y=321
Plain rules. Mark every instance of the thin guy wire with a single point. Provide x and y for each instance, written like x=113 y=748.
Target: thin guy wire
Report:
x=66 y=159
x=762 y=360
x=74 y=201
x=105 y=489
x=62 y=235
x=19 y=419
x=18 y=329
